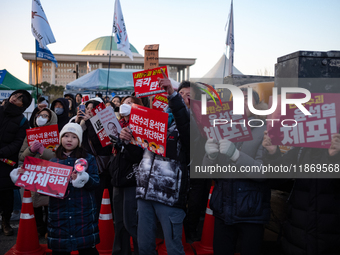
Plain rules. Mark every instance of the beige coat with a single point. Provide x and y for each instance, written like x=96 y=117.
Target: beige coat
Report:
x=38 y=199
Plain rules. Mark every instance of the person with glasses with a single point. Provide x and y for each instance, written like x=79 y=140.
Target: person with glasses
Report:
x=13 y=125
x=44 y=117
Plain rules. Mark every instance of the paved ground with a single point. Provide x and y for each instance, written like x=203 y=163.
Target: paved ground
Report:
x=270 y=246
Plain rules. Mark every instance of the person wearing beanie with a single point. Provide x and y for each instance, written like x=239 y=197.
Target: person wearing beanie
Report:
x=13 y=125
x=61 y=107
x=78 y=208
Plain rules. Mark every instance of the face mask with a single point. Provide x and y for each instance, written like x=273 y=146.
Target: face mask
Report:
x=58 y=111
x=41 y=121
x=125 y=109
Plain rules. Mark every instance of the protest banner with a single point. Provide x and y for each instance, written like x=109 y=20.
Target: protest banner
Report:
x=110 y=122
x=45 y=177
x=149 y=128
x=146 y=82
x=98 y=126
x=85 y=98
x=151 y=56
x=229 y=128
x=47 y=135
x=298 y=129
x=160 y=103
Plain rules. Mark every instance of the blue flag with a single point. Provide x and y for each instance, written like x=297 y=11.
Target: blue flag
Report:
x=45 y=53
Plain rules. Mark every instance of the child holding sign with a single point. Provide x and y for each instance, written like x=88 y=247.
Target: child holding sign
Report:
x=72 y=222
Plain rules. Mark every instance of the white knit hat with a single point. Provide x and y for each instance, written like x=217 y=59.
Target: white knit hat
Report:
x=72 y=128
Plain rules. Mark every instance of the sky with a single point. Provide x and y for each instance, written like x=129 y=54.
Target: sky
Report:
x=263 y=30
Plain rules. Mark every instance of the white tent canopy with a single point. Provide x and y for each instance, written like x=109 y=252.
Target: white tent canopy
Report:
x=215 y=75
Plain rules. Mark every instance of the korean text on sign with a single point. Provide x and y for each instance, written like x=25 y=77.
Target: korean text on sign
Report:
x=47 y=135
x=149 y=128
x=44 y=177
x=229 y=129
x=146 y=82
x=313 y=130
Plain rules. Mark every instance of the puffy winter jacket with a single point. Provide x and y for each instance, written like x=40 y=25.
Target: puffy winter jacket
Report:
x=72 y=221
x=13 y=127
x=242 y=200
x=313 y=223
x=166 y=179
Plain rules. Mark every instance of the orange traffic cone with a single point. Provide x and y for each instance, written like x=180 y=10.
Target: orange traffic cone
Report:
x=205 y=246
x=187 y=247
x=105 y=224
x=27 y=238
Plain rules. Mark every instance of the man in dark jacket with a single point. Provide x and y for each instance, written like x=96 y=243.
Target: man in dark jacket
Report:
x=241 y=206
x=163 y=182
x=13 y=125
x=61 y=107
x=312 y=226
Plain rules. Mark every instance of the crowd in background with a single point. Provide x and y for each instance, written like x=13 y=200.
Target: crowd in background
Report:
x=134 y=176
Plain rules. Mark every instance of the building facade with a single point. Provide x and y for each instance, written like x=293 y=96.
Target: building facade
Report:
x=96 y=54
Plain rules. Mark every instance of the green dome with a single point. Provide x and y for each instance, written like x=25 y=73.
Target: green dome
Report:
x=103 y=43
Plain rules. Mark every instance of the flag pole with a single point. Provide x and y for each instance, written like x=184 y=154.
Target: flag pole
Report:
x=108 y=70
x=36 y=69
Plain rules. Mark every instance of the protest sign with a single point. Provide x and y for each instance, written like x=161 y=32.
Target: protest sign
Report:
x=297 y=129
x=160 y=103
x=98 y=126
x=98 y=108
x=110 y=122
x=45 y=177
x=229 y=128
x=146 y=82
x=149 y=128
x=47 y=135
x=151 y=56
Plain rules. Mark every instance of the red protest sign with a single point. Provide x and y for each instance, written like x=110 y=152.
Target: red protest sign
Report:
x=300 y=130
x=85 y=98
x=146 y=82
x=98 y=108
x=47 y=135
x=149 y=128
x=160 y=103
x=100 y=131
x=228 y=125
x=45 y=177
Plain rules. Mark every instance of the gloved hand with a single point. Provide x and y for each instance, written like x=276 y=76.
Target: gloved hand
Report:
x=229 y=149
x=41 y=149
x=81 y=180
x=35 y=146
x=14 y=174
x=211 y=148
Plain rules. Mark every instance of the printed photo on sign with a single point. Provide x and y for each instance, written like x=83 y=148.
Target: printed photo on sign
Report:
x=220 y=122
x=110 y=122
x=297 y=129
x=44 y=177
x=47 y=135
x=164 y=182
x=146 y=82
x=149 y=128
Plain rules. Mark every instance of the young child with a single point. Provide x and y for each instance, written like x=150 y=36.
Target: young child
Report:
x=72 y=221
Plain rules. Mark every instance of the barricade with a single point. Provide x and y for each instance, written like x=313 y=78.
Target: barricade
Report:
x=205 y=246
x=27 y=238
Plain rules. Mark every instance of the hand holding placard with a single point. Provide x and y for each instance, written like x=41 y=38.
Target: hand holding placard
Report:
x=335 y=145
x=267 y=144
x=165 y=84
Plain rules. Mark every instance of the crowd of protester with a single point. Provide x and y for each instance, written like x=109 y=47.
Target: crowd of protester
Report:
x=241 y=206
